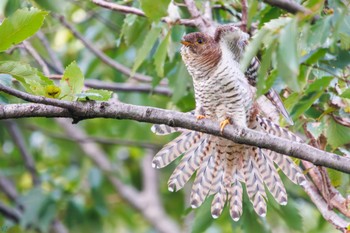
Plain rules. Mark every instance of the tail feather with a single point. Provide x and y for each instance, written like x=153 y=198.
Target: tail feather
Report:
x=276 y=100
x=254 y=182
x=204 y=178
x=165 y=129
x=190 y=162
x=175 y=148
x=288 y=167
x=271 y=178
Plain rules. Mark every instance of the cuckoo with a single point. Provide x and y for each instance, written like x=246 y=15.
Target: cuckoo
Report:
x=224 y=93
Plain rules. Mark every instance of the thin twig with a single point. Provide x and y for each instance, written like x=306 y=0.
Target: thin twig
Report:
x=104 y=58
x=136 y=11
x=36 y=57
x=244 y=21
x=20 y=143
x=53 y=56
x=101 y=140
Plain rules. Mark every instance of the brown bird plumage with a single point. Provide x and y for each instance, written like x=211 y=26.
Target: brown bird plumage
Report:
x=223 y=93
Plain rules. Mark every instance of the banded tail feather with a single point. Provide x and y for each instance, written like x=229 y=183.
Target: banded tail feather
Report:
x=222 y=167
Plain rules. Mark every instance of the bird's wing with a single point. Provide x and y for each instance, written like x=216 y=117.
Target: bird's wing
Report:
x=236 y=40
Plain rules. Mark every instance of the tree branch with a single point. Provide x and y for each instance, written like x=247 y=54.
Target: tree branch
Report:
x=288 y=5
x=136 y=11
x=112 y=109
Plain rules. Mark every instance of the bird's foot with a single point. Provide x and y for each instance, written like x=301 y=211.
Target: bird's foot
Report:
x=223 y=124
x=200 y=117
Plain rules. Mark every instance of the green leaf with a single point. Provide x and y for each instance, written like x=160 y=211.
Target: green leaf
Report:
x=344 y=41
x=95 y=94
x=203 y=217
x=252 y=48
x=335 y=177
x=346 y=94
x=291 y=216
x=160 y=55
x=20 y=26
x=315 y=128
x=146 y=47
x=263 y=71
x=287 y=57
x=314 y=91
x=155 y=11
x=32 y=80
x=337 y=135
x=72 y=82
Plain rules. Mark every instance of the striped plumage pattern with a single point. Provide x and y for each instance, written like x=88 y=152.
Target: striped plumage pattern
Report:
x=222 y=92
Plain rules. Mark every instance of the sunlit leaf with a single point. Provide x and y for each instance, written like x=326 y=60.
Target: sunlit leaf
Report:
x=72 y=82
x=337 y=135
x=20 y=26
x=287 y=57
x=32 y=80
x=335 y=177
x=146 y=46
x=153 y=10
x=160 y=55
x=346 y=94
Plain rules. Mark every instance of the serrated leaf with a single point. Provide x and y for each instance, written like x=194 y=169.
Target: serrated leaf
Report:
x=314 y=91
x=146 y=47
x=287 y=57
x=31 y=79
x=263 y=71
x=95 y=94
x=160 y=55
x=20 y=26
x=337 y=135
x=155 y=11
x=72 y=82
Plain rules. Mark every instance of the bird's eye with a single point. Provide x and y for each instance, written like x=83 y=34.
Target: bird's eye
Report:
x=199 y=41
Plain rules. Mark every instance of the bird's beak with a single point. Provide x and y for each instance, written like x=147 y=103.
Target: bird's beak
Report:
x=186 y=43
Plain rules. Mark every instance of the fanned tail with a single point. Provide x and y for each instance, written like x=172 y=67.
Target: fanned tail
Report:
x=175 y=148
x=190 y=162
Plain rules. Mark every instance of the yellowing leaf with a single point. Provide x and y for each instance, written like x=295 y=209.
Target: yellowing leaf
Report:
x=32 y=80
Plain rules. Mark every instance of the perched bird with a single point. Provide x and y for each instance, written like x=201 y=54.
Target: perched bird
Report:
x=223 y=93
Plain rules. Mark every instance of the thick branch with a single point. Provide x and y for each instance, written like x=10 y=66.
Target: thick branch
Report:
x=118 y=110
x=288 y=5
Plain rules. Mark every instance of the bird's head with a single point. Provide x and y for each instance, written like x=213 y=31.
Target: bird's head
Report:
x=197 y=43
x=199 y=48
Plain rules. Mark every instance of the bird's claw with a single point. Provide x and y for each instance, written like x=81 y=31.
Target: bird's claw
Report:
x=223 y=124
x=200 y=117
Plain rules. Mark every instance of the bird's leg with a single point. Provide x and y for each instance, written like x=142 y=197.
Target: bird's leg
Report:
x=223 y=123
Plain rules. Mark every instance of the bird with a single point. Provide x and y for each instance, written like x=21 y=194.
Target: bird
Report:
x=225 y=94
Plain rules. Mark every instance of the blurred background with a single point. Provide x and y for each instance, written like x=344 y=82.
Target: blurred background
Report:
x=96 y=176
